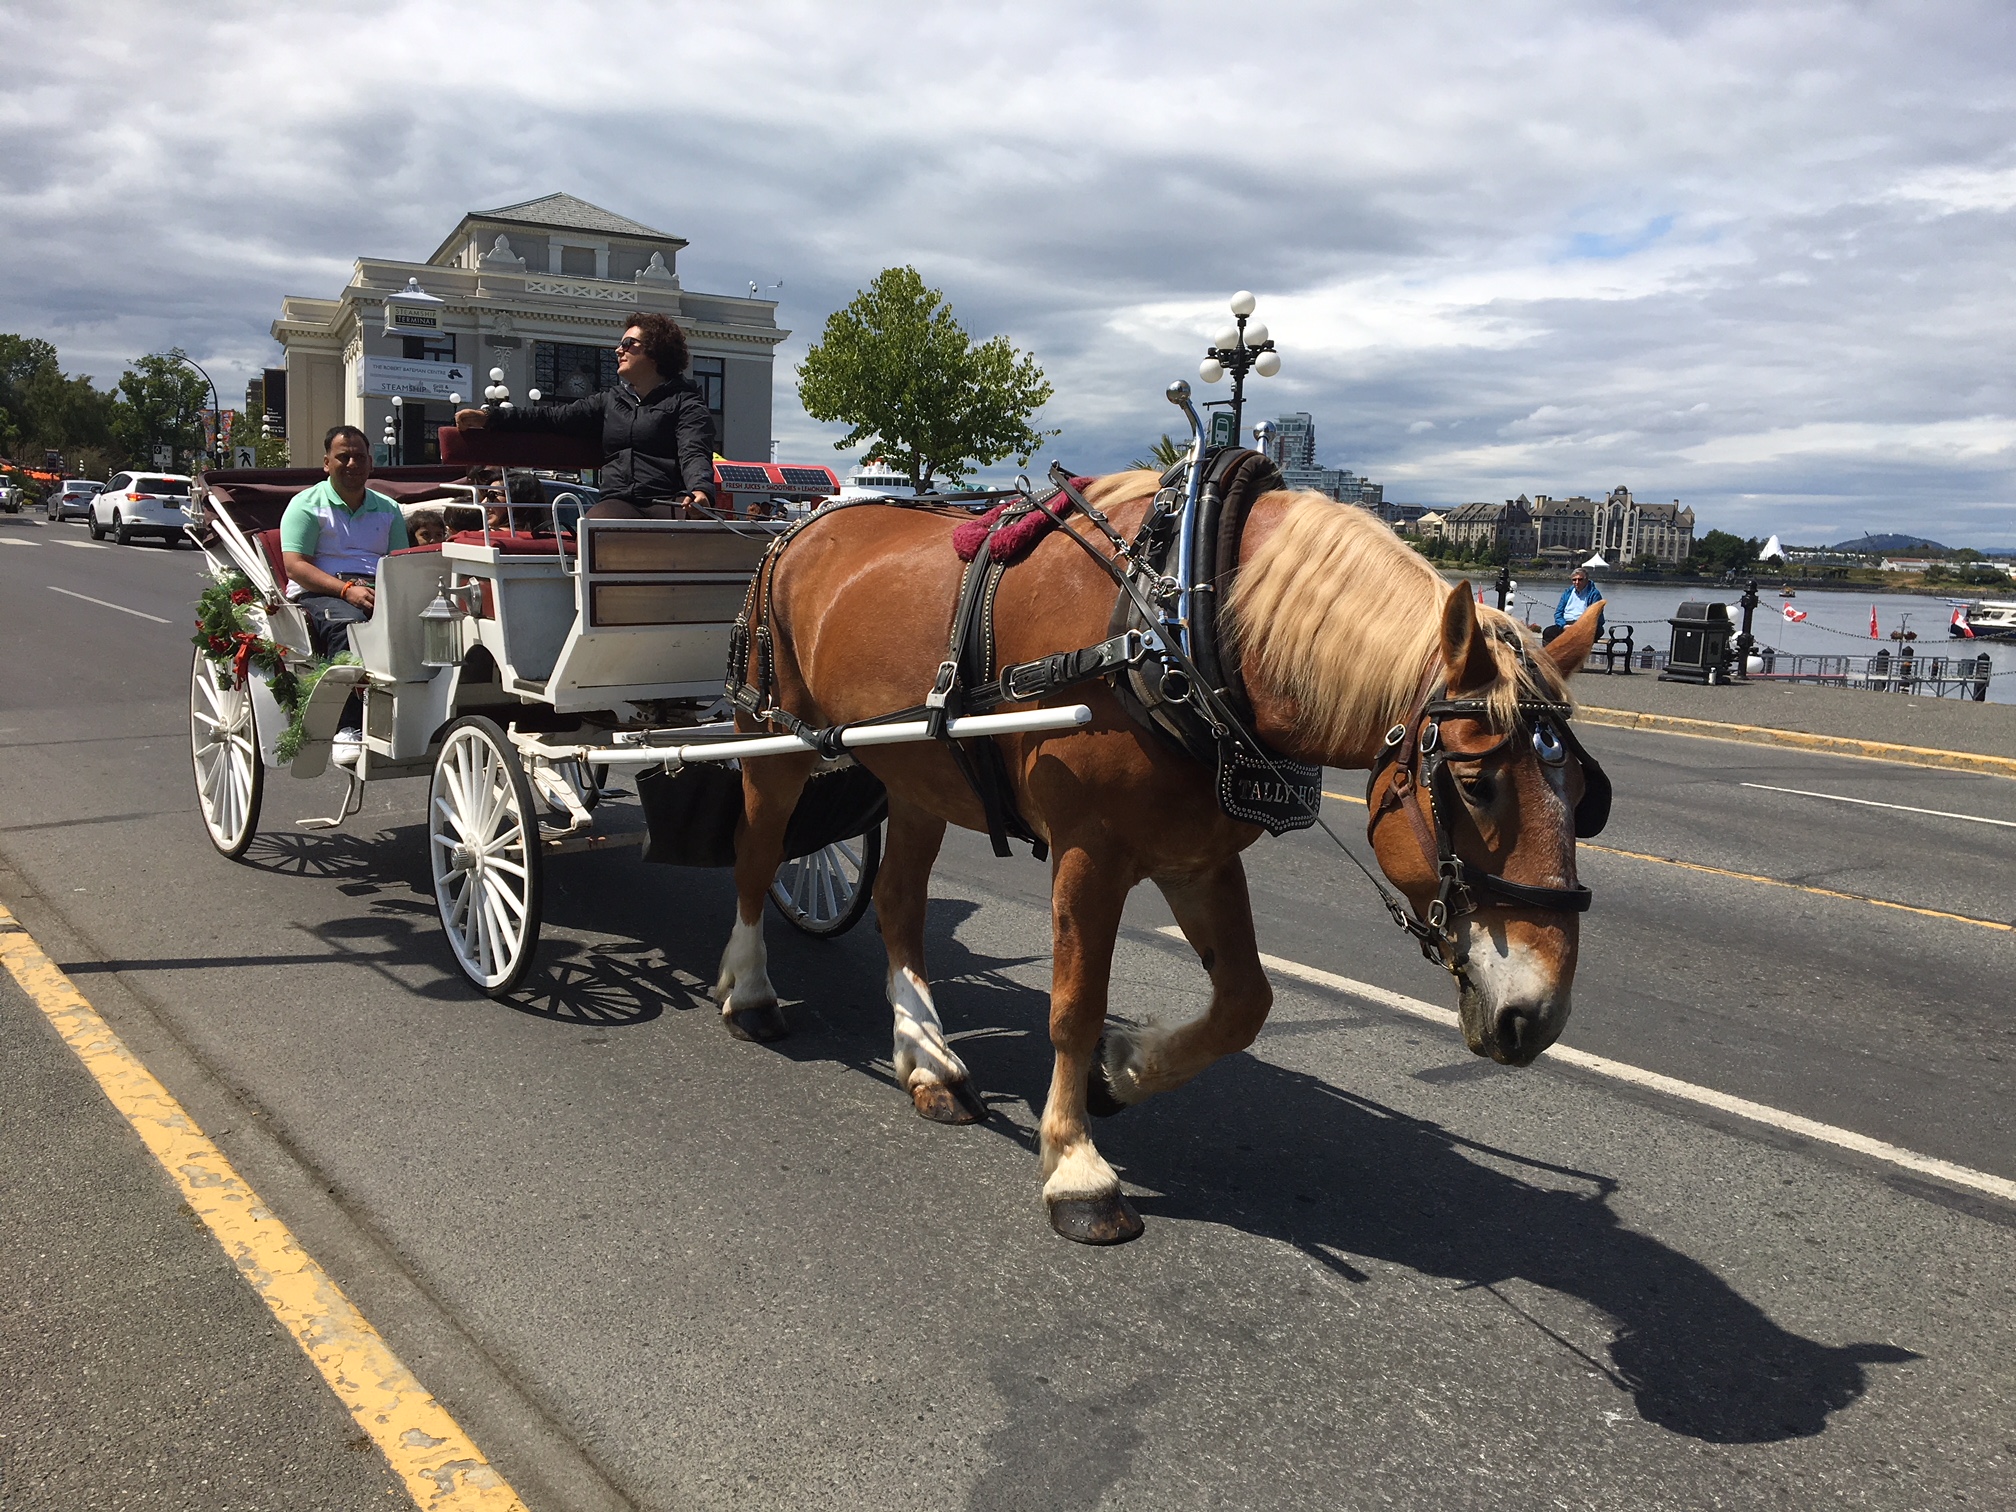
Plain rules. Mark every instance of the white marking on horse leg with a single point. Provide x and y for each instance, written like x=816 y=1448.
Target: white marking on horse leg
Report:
x=745 y=970
x=921 y=1054
x=1143 y=1059
x=1079 y=1171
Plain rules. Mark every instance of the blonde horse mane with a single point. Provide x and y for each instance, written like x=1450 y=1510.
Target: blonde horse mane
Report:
x=1343 y=617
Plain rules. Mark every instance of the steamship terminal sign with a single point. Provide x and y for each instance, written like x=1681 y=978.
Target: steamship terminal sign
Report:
x=383 y=377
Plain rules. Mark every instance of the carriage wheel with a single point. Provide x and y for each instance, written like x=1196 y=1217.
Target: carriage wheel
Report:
x=483 y=845
x=825 y=893
x=224 y=746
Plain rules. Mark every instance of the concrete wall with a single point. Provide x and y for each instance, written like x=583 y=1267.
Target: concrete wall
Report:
x=315 y=401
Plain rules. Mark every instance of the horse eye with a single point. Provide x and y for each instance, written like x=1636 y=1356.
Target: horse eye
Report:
x=1478 y=790
x=1547 y=744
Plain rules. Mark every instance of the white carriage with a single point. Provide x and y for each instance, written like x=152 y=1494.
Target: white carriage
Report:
x=514 y=670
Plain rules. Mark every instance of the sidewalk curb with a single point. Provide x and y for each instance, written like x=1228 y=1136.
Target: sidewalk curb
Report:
x=1839 y=745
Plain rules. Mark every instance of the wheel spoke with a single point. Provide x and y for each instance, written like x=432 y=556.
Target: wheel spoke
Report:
x=498 y=863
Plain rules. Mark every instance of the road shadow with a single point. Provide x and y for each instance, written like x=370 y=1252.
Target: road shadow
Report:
x=1342 y=1177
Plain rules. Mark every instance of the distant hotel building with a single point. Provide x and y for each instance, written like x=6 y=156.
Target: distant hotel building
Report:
x=1293 y=450
x=1625 y=530
x=541 y=290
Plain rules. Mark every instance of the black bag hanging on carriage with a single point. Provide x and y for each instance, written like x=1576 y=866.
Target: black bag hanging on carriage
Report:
x=692 y=813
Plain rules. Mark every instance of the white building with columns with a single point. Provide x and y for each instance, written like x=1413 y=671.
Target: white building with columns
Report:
x=541 y=290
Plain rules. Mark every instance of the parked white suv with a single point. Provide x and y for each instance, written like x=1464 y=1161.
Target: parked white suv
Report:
x=136 y=504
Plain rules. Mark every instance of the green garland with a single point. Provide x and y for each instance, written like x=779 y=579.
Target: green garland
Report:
x=225 y=634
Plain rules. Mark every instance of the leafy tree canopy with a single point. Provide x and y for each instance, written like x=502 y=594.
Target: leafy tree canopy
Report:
x=161 y=403
x=1719 y=551
x=915 y=387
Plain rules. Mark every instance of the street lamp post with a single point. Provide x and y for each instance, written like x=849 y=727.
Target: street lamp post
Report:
x=1240 y=349
x=216 y=404
x=1745 y=641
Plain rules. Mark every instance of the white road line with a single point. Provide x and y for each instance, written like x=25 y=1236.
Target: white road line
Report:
x=103 y=604
x=17 y=541
x=82 y=545
x=1872 y=803
x=1602 y=1065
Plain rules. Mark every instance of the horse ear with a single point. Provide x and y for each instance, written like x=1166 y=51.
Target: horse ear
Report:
x=1570 y=649
x=1466 y=650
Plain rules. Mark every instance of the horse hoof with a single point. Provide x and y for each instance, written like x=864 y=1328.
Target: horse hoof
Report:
x=759 y=1025
x=1096 y=1220
x=954 y=1104
x=1099 y=1099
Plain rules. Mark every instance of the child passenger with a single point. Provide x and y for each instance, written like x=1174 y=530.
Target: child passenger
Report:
x=427 y=527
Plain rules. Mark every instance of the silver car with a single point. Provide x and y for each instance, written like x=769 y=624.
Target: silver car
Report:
x=137 y=504
x=71 y=499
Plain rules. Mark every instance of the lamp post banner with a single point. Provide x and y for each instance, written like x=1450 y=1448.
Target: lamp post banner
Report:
x=384 y=377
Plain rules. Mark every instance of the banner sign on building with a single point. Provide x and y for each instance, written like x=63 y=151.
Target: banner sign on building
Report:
x=383 y=377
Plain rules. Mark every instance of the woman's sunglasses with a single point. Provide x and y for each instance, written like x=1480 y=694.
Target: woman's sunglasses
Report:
x=629 y=344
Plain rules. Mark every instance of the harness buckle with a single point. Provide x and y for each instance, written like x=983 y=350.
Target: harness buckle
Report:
x=1397 y=734
x=942 y=684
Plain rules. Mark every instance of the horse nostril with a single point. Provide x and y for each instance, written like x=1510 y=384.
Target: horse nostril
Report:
x=1515 y=1029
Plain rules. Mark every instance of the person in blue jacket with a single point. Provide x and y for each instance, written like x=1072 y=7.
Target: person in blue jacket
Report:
x=1580 y=597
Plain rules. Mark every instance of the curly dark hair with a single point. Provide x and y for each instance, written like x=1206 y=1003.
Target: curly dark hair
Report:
x=664 y=343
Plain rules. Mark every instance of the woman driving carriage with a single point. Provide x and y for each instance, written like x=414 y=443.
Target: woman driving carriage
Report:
x=656 y=433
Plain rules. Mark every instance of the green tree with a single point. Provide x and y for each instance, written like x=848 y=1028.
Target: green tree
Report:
x=905 y=375
x=41 y=410
x=1162 y=456
x=1719 y=551
x=160 y=404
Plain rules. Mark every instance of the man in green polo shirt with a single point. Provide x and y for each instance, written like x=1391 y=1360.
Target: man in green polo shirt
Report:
x=331 y=539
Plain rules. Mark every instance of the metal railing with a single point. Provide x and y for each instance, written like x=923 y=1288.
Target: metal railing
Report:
x=1885 y=672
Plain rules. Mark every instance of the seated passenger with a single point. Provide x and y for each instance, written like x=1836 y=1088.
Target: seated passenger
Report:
x=427 y=527
x=331 y=539
x=656 y=433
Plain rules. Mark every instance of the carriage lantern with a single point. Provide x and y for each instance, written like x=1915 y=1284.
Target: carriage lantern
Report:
x=1239 y=349
x=440 y=632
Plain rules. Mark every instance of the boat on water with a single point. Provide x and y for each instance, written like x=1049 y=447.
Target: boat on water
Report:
x=1788 y=593
x=1986 y=619
x=874 y=478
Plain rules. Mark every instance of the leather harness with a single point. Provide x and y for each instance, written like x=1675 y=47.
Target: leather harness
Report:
x=1195 y=701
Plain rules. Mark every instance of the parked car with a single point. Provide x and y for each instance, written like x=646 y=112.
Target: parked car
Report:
x=137 y=504
x=71 y=499
x=12 y=496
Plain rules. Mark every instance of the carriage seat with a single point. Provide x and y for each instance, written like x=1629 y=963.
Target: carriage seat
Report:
x=389 y=643
x=268 y=542
x=517 y=542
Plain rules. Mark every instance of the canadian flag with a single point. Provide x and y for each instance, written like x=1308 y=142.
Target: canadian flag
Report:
x=1794 y=615
x=1872 y=622
x=1960 y=625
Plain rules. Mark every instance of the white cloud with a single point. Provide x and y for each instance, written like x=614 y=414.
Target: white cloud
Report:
x=1750 y=256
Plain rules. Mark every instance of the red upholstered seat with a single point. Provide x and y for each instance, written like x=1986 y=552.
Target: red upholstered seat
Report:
x=269 y=542
x=517 y=542
x=414 y=550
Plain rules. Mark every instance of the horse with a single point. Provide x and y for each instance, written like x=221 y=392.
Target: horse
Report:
x=1344 y=636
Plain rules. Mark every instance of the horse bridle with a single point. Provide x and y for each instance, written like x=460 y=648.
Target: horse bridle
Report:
x=1415 y=746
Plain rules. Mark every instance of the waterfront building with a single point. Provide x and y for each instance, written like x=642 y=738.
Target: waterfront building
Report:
x=1626 y=530
x=1564 y=528
x=1486 y=526
x=1293 y=450
x=540 y=289
x=1430 y=523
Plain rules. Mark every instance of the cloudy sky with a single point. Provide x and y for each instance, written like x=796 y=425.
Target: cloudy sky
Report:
x=1760 y=258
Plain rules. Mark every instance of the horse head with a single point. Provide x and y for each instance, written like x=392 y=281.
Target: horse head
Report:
x=1475 y=802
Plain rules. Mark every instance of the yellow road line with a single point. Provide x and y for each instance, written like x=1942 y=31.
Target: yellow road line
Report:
x=443 y=1469
x=1837 y=745
x=1762 y=881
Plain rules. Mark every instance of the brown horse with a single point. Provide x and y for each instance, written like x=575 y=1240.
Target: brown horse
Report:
x=1342 y=632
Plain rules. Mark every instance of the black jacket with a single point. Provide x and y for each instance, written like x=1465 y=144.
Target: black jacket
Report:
x=655 y=448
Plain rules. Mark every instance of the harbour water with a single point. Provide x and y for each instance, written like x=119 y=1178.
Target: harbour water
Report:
x=1836 y=623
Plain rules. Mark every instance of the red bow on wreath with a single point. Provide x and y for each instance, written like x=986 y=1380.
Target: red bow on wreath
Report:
x=248 y=645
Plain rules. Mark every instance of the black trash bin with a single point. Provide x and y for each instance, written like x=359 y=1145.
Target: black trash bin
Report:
x=1701 y=634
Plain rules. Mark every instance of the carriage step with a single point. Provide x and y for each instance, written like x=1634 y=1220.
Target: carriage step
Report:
x=563 y=845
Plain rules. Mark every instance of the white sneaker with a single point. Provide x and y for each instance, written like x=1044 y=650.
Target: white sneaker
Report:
x=347 y=746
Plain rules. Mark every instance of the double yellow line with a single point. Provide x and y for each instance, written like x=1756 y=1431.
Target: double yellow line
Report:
x=443 y=1469
x=1763 y=881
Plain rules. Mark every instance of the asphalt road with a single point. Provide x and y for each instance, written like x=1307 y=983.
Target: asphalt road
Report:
x=646 y=1263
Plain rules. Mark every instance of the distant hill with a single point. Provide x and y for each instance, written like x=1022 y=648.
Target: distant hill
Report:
x=1890 y=543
